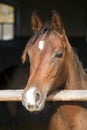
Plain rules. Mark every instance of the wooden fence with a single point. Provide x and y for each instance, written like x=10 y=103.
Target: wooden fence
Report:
x=63 y=95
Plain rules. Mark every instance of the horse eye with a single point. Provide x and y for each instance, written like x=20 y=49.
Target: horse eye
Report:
x=59 y=54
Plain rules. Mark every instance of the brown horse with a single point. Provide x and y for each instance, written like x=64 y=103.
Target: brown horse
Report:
x=54 y=65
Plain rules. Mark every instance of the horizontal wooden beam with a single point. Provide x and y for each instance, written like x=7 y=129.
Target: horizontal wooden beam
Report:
x=68 y=95
x=11 y=95
x=63 y=95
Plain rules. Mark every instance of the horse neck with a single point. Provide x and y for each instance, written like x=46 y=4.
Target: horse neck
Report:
x=77 y=78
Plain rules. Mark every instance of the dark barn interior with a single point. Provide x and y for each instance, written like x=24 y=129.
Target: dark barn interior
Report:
x=74 y=15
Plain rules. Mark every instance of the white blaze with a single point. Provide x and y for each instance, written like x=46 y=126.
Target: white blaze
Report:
x=30 y=98
x=41 y=45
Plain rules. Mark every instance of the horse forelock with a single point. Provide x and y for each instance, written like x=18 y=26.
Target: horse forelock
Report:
x=46 y=29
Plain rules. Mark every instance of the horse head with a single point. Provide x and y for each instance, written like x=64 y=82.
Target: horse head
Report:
x=48 y=51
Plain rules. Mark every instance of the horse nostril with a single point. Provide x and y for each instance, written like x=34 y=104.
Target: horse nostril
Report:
x=37 y=96
x=28 y=105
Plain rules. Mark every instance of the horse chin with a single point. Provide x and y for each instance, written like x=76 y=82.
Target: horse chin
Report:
x=36 y=108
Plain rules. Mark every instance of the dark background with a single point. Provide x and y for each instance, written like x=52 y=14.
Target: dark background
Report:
x=73 y=13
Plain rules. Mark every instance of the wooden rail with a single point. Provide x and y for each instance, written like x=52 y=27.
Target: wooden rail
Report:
x=11 y=95
x=63 y=95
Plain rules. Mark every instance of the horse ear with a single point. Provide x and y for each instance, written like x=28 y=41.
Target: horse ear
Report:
x=36 y=22
x=57 y=23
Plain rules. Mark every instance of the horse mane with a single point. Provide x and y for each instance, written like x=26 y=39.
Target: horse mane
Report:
x=79 y=63
x=77 y=74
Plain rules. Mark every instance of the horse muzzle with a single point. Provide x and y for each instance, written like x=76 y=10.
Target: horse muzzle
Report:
x=33 y=100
